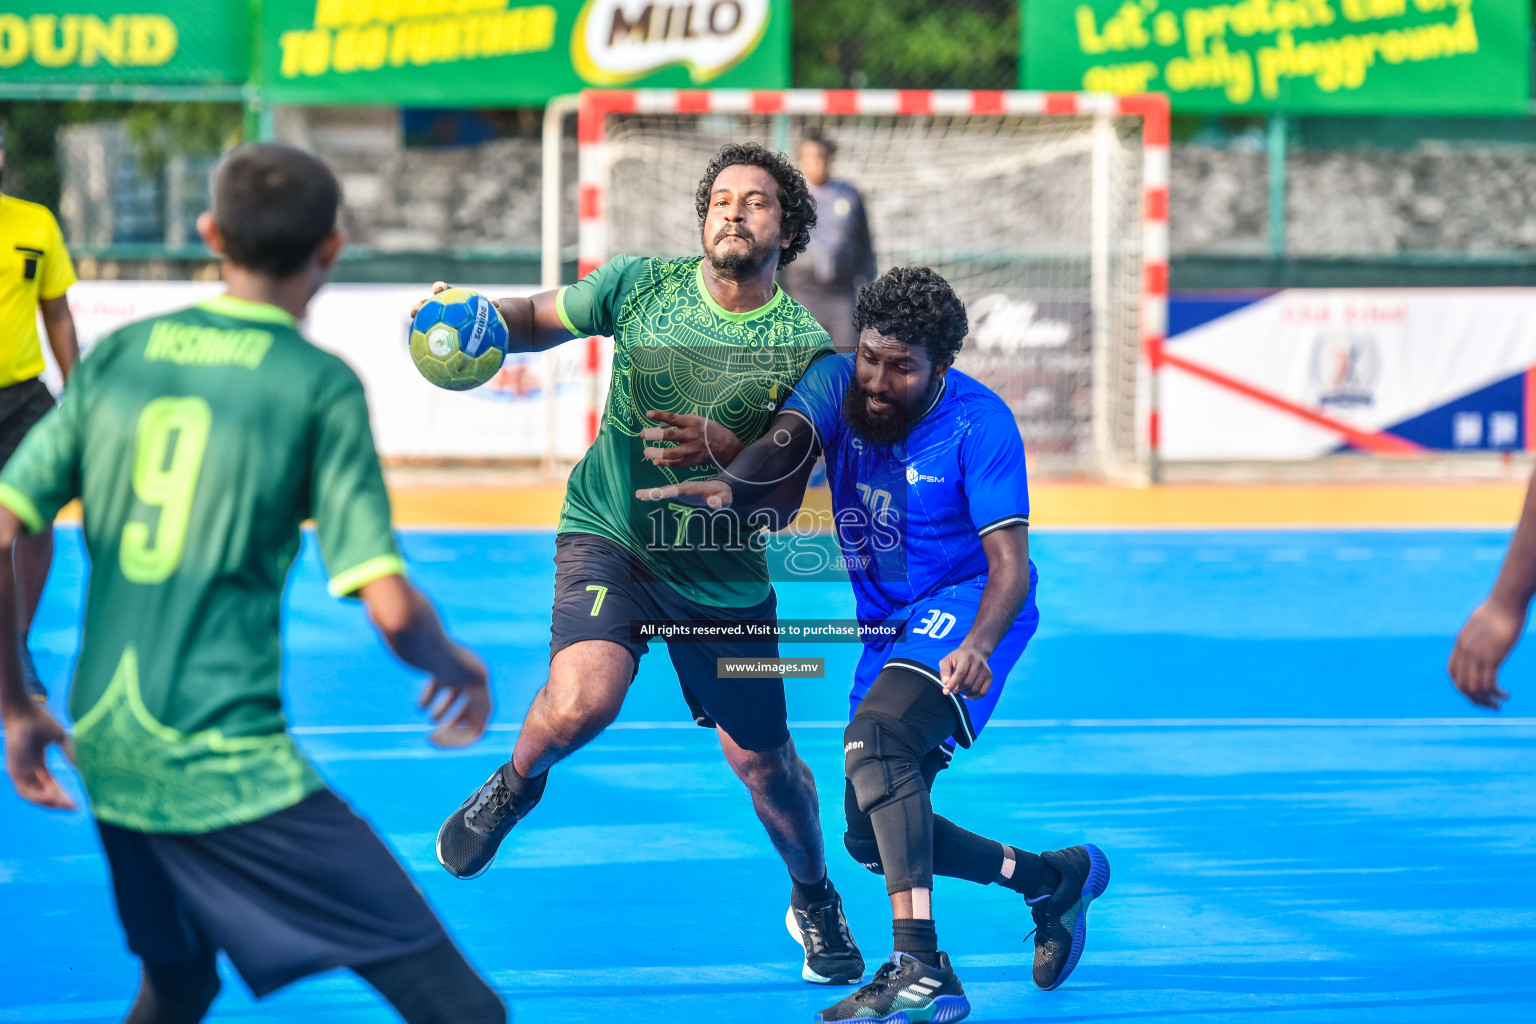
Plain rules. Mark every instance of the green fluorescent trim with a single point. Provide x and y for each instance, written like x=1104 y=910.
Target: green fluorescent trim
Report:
x=245 y=309
x=564 y=317
x=715 y=307
x=359 y=576
x=22 y=505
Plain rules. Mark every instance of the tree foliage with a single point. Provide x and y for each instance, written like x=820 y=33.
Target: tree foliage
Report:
x=906 y=44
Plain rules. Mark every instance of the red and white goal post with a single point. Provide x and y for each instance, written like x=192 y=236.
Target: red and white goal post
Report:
x=1048 y=213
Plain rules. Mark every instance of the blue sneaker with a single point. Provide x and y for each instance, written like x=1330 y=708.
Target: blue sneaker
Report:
x=904 y=991
x=1061 y=919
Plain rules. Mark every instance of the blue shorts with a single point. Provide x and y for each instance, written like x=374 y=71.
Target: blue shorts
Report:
x=936 y=625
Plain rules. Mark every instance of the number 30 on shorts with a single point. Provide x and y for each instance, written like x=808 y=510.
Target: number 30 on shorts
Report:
x=936 y=626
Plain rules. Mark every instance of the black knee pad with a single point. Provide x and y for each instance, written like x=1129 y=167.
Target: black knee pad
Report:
x=865 y=851
x=863 y=764
x=880 y=764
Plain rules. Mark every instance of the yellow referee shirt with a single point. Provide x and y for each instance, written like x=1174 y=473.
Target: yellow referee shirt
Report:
x=34 y=266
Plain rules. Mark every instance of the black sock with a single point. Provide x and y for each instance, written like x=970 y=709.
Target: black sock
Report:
x=524 y=791
x=802 y=895
x=917 y=938
x=1032 y=876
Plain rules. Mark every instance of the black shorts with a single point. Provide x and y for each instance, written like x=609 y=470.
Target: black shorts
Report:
x=600 y=588
x=21 y=406
x=304 y=890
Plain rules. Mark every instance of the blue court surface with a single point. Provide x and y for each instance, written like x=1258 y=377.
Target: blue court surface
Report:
x=1306 y=822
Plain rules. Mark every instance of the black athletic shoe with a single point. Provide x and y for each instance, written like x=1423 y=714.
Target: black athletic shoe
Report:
x=467 y=842
x=1061 y=919
x=905 y=991
x=831 y=955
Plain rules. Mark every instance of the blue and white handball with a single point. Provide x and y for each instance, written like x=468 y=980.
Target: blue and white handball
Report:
x=458 y=339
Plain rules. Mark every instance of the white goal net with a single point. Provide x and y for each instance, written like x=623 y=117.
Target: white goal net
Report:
x=1035 y=218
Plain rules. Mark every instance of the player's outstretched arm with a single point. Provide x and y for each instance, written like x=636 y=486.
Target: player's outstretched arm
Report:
x=965 y=670
x=458 y=694
x=29 y=728
x=1491 y=631
x=533 y=322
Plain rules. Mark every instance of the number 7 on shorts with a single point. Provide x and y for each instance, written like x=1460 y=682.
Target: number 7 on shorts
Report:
x=602 y=592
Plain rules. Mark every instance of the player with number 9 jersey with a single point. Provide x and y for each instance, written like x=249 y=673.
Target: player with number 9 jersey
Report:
x=198 y=442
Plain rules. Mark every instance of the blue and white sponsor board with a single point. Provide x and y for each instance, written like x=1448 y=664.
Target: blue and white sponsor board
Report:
x=1304 y=372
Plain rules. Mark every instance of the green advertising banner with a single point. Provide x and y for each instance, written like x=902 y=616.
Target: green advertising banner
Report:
x=503 y=52
x=1307 y=56
x=169 y=41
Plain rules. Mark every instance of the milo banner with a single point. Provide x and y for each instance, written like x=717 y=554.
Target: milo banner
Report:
x=502 y=52
x=1310 y=56
x=165 y=41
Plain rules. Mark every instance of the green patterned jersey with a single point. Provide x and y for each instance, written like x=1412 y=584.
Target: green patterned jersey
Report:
x=198 y=442
x=676 y=350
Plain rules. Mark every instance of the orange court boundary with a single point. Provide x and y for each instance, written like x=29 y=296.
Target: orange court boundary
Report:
x=1179 y=506
x=1476 y=504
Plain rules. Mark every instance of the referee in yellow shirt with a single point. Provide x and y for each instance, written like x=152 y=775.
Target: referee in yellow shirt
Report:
x=35 y=272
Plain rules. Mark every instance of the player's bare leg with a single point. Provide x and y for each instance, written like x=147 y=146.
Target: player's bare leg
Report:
x=784 y=797
x=587 y=684
x=586 y=688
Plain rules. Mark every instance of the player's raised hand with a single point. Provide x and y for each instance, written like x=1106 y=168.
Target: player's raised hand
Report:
x=714 y=493
x=1483 y=644
x=28 y=735
x=696 y=440
x=441 y=286
x=965 y=671
x=459 y=702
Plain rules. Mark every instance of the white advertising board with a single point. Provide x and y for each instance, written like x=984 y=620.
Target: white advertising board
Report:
x=512 y=417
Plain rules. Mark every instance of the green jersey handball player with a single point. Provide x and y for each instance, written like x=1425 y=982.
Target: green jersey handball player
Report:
x=198 y=442
x=705 y=351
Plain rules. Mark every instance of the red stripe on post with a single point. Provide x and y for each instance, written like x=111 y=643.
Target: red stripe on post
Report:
x=1152 y=108
x=1152 y=347
x=1154 y=204
x=914 y=101
x=840 y=101
x=589 y=202
x=1061 y=103
x=988 y=101
x=594 y=108
x=1530 y=409
x=1155 y=276
x=1154 y=430
x=692 y=101
x=585 y=267
x=766 y=103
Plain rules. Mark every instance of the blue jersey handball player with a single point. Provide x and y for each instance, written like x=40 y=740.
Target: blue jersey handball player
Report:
x=931 y=510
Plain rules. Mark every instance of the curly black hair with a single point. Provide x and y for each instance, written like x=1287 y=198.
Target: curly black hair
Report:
x=795 y=197
x=915 y=306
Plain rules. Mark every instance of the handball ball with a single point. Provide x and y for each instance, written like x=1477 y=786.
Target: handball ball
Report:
x=458 y=339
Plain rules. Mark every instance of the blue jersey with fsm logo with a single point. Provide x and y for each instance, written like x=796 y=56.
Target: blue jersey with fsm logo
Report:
x=910 y=516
